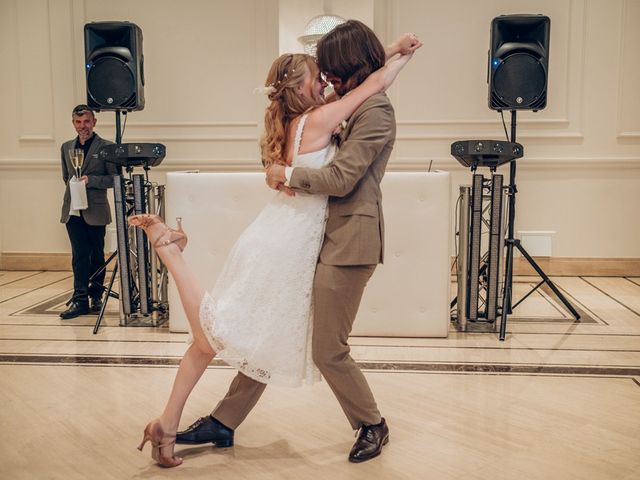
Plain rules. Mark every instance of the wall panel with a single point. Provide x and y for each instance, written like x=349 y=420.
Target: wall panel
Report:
x=629 y=93
x=580 y=176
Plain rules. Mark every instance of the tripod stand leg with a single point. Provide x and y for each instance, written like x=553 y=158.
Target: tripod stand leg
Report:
x=548 y=281
x=528 y=294
x=506 y=298
x=106 y=299
x=101 y=269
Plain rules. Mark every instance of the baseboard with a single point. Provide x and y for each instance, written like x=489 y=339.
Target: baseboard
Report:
x=582 y=267
x=33 y=261
x=578 y=267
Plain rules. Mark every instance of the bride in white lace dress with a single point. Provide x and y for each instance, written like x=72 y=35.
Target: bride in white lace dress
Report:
x=267 y=340
x=274 y=258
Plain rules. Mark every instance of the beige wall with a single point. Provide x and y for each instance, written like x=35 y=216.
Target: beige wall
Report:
x=580 y=177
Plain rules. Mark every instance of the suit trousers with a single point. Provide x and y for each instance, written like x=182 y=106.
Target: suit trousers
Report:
x=87 y=250
x=337 y=294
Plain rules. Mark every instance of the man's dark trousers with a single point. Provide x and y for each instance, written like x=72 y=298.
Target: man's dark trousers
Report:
x=87 y=248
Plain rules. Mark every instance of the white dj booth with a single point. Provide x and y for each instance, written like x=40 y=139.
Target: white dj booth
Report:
x=408 y=296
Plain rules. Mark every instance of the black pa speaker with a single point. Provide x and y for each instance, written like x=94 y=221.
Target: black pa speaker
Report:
x=114 y=66
x=518 y=62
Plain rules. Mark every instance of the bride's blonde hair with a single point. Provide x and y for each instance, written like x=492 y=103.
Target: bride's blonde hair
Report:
x=285 y=76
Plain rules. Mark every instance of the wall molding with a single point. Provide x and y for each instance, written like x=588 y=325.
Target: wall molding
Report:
x=590 y=164
x=526 y=136
x=489 y=122
x=175 y=124
x=633 y=135
x=77 y=19
x=25 y=28
x=397 y=164
x=174 y=131
x=577 y=9
x=173 y=164
x=211 y=138
x=538 y=129
x=622 y=134
x=35 y=138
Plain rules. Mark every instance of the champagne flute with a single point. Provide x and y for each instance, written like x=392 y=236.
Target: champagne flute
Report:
x=77 y=158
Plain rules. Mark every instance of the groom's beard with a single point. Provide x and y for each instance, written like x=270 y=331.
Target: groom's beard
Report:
x=341 y=90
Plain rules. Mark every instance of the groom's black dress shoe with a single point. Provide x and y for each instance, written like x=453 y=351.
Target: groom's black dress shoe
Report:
x=204 y=430
x=370 y=441
x=95 y=304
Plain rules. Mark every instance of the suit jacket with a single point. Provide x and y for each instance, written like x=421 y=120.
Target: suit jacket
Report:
x=100 y=175
x=354 y=233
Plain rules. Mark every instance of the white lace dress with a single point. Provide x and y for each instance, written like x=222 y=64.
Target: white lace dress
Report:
x=258 y=316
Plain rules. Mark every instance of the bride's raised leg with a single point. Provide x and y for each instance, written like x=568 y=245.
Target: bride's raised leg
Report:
x=168 y=244
x=199 y=354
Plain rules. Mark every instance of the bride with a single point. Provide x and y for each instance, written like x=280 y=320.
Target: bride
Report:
x=274 y=258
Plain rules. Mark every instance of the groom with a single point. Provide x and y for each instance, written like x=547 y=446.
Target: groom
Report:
x=353 y=246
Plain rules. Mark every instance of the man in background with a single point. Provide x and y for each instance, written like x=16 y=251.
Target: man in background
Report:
x=86 y=228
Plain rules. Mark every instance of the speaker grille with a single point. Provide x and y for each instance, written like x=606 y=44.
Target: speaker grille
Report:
x=111 y=83
x=519 y=82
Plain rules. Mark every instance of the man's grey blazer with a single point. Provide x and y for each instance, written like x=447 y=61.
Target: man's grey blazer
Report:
x=100 y=175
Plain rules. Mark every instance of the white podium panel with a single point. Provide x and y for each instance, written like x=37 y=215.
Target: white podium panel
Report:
x=408 y=296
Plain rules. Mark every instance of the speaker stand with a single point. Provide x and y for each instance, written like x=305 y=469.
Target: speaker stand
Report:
x=109 y=290
x=512 y=242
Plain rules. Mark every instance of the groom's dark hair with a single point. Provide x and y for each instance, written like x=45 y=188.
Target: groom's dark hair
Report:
x=350 y=51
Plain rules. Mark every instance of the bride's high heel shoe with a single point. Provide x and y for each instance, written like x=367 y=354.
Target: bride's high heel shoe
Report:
x=146 y=220
x=161 y=444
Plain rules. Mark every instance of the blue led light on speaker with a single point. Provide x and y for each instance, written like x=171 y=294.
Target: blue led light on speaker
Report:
x=495 y=62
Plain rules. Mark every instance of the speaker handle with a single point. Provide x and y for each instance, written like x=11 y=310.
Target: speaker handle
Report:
x=121 y=52
x=514 y=47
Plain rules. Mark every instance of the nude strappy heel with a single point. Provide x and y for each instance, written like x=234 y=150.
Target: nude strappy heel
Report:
x=170 y=235
x=160 y=443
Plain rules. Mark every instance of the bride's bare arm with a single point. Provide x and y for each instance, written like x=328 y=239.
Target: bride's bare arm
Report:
x=323 y=120
x=404 y=45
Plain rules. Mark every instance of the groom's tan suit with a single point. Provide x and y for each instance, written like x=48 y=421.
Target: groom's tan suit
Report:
x=353 y=246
